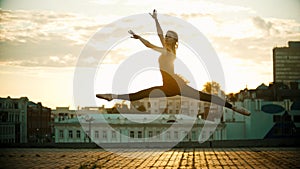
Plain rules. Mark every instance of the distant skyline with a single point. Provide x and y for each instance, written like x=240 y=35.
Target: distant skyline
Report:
x=41 y=40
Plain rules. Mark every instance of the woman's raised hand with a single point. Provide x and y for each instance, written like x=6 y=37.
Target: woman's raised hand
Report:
x=154 y=14
x=135 y=36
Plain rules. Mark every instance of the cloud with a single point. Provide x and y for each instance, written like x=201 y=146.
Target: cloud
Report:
x=50 y=61
x=265 y=26
x=262 y=24
x=43 y=38
x=252 y=51
x=31 y=52
x=187 y=16
x=35 y=26
x=30 y=38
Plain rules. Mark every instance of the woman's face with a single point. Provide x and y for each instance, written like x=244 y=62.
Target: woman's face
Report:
x=170 y=38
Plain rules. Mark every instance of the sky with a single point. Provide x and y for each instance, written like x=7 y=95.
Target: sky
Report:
x=41 y=41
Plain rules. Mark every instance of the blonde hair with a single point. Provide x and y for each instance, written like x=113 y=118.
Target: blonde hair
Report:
x=174 y=35
x=174 y=45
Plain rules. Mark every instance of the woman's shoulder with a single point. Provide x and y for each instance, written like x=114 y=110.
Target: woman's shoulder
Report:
x=165 y=52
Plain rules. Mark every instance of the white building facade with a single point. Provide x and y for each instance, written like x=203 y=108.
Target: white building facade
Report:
x=126 y=128
x=171 y=105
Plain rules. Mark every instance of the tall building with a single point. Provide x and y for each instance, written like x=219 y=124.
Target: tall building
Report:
x=13 y=120
x=286 y=64
x=22 y=121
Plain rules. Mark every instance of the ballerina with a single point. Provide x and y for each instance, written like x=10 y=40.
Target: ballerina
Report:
x=173 y=84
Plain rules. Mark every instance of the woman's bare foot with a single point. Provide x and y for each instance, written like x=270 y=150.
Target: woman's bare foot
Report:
x=241 y=110
x=107 y=97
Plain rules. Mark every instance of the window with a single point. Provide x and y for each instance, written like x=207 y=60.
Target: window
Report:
x=140 y=134
x=9 y=117
x=150 y=134
x=177 y=105
x=168 y=135
x=297 y=118
x=194 y=136
x=176 y=136
x=61 y=134
x=96 y=134
x=70 y=134
x=276 y=118
x=104 y=135
x=185 y=133
x=211 y=135
x=17 y=118
x=131 y=134
x=16 y=106
x=78 y=134
x=113 y=134
x=158 y=134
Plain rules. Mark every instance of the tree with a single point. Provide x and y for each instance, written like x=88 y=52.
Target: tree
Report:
x=212 y=87
x=141 y=108
x=232 y=97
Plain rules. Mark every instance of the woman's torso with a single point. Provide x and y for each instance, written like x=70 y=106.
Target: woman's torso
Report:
x=166 y=62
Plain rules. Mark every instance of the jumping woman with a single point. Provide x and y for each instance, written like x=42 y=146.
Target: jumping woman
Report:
x=172 y=83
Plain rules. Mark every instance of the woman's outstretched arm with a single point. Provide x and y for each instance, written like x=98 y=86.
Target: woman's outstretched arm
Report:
x=145 y=42
x=158 y=28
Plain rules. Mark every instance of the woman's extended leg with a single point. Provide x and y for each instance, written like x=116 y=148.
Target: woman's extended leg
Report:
x=188 y=91
x=214 y=99
x=153 y=92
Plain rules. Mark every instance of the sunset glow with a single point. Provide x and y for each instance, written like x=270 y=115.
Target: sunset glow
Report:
x=41 y=41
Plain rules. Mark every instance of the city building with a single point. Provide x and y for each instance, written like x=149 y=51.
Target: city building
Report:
x=38 y=123
x=170 y=105
x=273 y=92
x=269 y=119
x=62 y=113
x=124 y=128
x=275 y=113
x=177 y=105
x=286 y=64
x=275 y=109
x=22 y=121
x=13 y=120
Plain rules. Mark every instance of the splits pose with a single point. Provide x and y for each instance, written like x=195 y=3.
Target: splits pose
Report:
x=172 y=83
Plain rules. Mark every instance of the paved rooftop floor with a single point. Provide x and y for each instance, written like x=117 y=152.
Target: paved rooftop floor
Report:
x=151 y=158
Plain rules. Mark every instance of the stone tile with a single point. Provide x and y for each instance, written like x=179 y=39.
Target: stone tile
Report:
x=175 y=158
